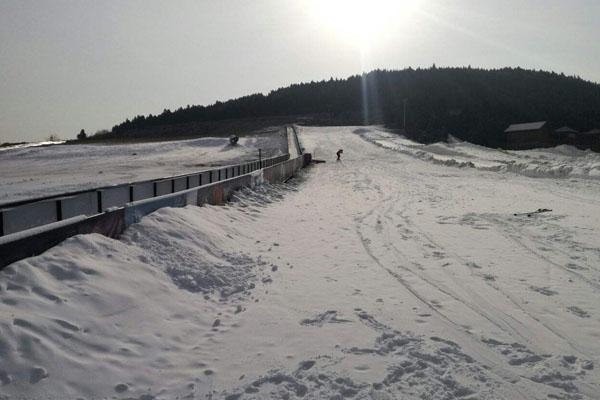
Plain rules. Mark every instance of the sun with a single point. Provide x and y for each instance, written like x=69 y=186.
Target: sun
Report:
x=363 y=22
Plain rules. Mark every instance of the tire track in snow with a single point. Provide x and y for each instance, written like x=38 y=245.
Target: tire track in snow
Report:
x=507 y=296
x=506 y=327
x=483 y=351
x=478 y=310
x=509 y=328
x=365 y=242
x=390 y=202
x=552 y=378
x=517 y=236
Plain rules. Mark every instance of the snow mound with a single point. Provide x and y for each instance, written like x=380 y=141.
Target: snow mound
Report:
x=131 y=313
x=558 y=162
x=29 y=145
x=195 y=256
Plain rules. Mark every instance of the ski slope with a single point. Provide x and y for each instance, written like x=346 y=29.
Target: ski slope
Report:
x=386 y=275
x=40 y=171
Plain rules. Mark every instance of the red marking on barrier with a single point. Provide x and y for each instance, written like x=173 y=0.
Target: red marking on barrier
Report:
x=218 y=195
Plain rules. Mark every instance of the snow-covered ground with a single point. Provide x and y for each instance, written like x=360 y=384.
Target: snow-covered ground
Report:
x=557 y=162
x=382 y=276
x=24 y=145
x=27 y=172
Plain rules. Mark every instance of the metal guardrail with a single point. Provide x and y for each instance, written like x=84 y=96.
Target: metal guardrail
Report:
x=114 y=221
x=31 y=213
x=298 y=146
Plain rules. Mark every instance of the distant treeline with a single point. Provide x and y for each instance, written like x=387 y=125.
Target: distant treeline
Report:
x=471 y=104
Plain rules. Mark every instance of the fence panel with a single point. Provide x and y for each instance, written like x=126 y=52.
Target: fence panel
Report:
x=29 y=216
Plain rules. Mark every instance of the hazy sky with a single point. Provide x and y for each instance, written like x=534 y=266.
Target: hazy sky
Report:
x=72 y=64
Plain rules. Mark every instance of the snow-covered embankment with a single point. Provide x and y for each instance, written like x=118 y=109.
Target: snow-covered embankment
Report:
x=558 y=162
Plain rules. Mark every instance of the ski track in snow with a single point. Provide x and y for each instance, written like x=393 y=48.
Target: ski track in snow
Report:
x=387 y=275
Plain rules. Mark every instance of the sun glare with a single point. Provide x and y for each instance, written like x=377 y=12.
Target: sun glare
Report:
x=363 y=22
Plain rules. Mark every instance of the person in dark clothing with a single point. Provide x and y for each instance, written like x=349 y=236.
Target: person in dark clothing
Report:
x=339 y=154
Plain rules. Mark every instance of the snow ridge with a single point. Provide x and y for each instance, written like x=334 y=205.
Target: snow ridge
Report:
x=558 y=162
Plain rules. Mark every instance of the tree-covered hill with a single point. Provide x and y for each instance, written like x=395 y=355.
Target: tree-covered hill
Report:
x=472 y=104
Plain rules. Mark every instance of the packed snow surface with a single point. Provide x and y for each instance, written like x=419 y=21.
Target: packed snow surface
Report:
x=28 y=172
x=383 y=276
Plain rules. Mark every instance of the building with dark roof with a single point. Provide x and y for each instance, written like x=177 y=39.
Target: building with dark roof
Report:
x=565 y=130
x=566 y=135
x=589 y=139
x=528 y=136
x=594 y=132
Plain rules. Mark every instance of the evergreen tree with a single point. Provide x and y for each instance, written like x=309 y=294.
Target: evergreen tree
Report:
x=469 y=103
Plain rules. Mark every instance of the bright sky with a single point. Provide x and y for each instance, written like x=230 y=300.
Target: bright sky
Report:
x=67 y=64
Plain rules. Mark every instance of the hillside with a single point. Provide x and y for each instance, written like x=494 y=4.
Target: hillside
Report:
x=471 y=104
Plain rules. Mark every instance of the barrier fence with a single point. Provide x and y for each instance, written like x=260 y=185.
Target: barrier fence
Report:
x=23 y=215
x=115 y=208
x=297 y=140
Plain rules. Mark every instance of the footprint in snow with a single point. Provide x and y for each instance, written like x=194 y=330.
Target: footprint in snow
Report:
x=328 y=317
x=578 y=312
x=546 y=291
x=37 y=374
x=121 y=387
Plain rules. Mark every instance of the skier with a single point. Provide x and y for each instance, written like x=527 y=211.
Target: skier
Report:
x=339 y=154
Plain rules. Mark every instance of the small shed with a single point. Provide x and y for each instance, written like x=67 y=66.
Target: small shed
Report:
x=590 y=139
x=566 y=135
x=528 y=135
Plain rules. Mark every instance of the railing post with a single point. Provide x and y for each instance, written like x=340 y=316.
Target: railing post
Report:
x=200 y=179
x=99 y=194
x=260 y=157
x=187 y=182
x=130 y=193
x=58 y=210
x=1 y=223
x=172 y=185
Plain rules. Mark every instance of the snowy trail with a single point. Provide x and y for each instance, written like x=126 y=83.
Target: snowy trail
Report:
x=380 y=276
